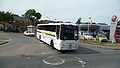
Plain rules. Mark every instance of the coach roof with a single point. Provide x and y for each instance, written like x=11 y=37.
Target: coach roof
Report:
x=58 y=24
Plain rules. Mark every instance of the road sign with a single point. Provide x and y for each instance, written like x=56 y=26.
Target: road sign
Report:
x=114 y=18
x=113 y=29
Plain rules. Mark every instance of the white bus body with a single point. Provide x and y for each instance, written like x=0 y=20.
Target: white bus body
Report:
x=62 y=36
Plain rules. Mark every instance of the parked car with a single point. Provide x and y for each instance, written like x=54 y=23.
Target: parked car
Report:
x=87 y=36
x=93 y=34
x=29 y=33
x=118 y=38
x=101 y=37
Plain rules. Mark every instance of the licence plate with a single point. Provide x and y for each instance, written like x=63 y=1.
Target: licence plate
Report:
x=70 y=46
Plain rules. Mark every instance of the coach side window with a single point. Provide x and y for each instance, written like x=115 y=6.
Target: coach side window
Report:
x=57 y=31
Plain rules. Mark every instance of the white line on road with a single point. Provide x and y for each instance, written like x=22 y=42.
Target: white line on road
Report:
x=10 y=40
x=43 y=53
x=55 y=63
x=82 y=62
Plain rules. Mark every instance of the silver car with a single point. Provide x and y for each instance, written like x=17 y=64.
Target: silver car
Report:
x=118 y=38
x=29 y=33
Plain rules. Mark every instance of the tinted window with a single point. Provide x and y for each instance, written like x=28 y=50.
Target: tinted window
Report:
x=69 y=32
x=47 y=27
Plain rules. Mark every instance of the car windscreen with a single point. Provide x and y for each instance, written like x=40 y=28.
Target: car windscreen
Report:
x=102 y=36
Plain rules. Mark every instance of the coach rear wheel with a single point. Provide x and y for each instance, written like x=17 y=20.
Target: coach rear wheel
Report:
x=52 y=44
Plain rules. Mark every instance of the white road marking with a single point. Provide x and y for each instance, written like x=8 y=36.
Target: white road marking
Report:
x=80 y=60
x=55 y=63
x=43 y=53
x=28 y=58
x=10 y=40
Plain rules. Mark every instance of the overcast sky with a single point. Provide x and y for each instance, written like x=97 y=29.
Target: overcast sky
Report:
x=66 y=10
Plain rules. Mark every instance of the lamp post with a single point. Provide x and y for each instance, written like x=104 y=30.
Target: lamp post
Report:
x=34 y=18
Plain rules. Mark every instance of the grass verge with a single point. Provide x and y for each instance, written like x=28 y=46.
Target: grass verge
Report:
x=94 y=42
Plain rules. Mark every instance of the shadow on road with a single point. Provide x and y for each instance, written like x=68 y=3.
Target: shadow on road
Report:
x=80 y=50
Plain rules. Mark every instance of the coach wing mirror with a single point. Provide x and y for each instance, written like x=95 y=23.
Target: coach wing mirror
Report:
x=57 y=36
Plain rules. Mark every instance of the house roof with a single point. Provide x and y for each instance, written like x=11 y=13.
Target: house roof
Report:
x=20 y=24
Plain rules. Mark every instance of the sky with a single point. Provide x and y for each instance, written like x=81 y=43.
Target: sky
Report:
x=100 y=11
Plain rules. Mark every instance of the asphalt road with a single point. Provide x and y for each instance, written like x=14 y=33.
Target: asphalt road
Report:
x=28 y=52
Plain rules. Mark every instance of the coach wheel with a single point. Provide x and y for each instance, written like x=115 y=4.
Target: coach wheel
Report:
x=40 y=37
x=52 y=44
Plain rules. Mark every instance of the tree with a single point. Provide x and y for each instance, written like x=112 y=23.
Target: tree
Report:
x=78 y=21
x=33 y=16
x=6 y=17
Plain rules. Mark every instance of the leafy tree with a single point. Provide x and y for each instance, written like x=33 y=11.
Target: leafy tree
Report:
x=6 y=17
x=38 y=15
x=33 y=16
x=78 y=21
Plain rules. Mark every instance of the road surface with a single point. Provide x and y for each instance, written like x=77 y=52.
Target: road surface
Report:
x=28 y=52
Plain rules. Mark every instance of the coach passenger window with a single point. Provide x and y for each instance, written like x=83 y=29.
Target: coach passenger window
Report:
x=57 y=31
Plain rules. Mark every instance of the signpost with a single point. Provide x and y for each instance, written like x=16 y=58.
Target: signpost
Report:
x=113 y=29
x=90 y=25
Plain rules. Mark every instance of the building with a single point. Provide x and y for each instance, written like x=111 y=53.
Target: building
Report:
x=94 y=29
x=20 y=24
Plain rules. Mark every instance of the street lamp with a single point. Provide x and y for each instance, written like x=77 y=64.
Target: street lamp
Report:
x=34 y=18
